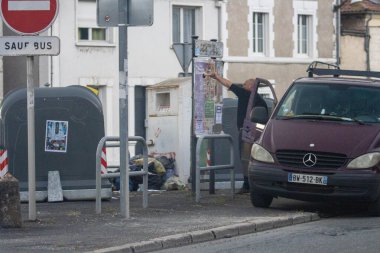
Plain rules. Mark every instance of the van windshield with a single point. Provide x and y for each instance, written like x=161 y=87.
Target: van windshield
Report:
x=335 y=102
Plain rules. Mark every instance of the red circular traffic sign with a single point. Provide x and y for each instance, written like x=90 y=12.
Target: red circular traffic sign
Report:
x=29 y=16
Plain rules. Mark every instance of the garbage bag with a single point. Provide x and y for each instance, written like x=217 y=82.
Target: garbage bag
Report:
x=154 y=166
x=174 y=183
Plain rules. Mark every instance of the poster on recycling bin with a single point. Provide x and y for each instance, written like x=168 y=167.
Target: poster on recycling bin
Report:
x=56 y=136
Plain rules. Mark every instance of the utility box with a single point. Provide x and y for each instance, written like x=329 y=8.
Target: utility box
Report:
x=169 y=121
x=222 y=147
x=69 y=124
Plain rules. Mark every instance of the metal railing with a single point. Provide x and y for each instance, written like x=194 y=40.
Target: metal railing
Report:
x=198 y=168
x=99 y=176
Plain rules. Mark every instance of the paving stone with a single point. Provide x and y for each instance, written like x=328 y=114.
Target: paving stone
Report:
x=226 y=231
x=282 y=222
x=247 y=228
x=264 y=225
x=202 y=236
x=176 y=240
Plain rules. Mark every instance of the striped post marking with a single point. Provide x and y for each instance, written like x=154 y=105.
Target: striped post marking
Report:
x=103 y=162
x=3 y=162
x=208 y=157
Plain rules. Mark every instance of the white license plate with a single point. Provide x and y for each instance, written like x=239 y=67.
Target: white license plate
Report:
x=307 y=179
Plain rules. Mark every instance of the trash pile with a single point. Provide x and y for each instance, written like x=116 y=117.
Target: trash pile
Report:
x=162 y=174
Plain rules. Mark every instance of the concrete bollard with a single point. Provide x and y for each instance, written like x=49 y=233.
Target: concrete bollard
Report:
x=10 y=208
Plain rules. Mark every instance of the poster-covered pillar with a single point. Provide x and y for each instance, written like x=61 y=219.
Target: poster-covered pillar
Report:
x=207 y=95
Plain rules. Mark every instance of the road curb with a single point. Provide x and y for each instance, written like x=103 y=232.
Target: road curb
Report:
x=251 y=226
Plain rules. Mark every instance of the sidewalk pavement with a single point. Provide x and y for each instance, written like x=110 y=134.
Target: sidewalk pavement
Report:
x=173 y=218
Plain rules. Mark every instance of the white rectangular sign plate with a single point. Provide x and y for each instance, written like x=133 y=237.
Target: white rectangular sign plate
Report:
x=29 y=45
x=43 y=5
x=205 y=48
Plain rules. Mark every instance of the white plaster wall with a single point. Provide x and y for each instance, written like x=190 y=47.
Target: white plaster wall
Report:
x=81 y=65
x=151 y=58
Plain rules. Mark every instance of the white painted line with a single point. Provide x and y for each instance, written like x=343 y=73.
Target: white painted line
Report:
x=28 y=5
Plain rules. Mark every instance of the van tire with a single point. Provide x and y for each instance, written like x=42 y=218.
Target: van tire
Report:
x=374 y=208
x=260 y=200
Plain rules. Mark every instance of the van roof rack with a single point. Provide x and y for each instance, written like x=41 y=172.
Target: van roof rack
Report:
x=334 y=70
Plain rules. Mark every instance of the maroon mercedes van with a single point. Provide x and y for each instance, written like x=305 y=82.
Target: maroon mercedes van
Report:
x=322 y=141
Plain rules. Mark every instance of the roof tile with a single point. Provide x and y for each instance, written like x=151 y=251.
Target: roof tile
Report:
x=361 y=7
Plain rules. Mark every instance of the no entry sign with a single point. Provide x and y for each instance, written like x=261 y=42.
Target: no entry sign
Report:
x=29 y=16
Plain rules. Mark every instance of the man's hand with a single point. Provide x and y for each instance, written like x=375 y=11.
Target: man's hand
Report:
x=210 y=71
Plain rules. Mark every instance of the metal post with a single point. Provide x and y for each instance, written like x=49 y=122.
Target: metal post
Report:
x=199 y=168
x=123 y=112
x=211 y=147
x=31 y=139
x=98 y=179
x=192 y=134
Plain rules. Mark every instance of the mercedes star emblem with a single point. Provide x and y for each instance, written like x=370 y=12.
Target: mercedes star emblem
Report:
x=309 y=160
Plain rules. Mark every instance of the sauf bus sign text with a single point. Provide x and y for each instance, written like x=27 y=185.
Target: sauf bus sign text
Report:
x=29 y=45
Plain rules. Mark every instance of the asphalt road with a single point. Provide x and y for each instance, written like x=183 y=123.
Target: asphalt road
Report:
x=352 y=234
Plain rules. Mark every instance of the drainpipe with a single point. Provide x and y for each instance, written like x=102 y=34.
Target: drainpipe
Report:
x=337 y=32
x=366 y=42
x=51 y=63
x=221 y=4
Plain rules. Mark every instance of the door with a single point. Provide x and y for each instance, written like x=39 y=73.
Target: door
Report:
x=263 y=96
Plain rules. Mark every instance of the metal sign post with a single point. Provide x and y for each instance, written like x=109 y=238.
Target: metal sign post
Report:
x=123 y=124
x=123 y=113
x=31 y=139
x=29 y=18
x=124 y=13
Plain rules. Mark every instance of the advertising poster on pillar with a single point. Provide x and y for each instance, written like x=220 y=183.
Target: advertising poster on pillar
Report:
x=207 y=98
x=56 y=136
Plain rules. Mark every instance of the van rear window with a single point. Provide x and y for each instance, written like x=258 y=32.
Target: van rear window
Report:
x=332 y=102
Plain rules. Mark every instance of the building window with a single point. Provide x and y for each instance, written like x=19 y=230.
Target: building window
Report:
x=92 y=34
x=259 y=32
x=261 y=35
x=88 y=32
x=303 y=41
x=184 y=23
x=305 y=36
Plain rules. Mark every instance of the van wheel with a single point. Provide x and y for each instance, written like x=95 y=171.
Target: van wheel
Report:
x=374 y=208
x=260 y=200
